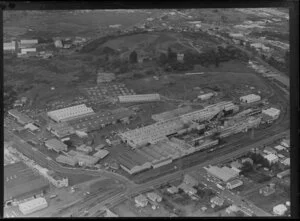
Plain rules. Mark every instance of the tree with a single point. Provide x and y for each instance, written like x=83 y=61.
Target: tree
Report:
x=163 y=59
x=133 y=57
x=171 y=55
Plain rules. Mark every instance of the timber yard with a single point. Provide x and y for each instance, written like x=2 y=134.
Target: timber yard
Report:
x=199 y=140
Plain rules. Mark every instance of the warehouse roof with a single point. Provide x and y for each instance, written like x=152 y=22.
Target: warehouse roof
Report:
x=102 y=117
x=62 y=129
x=101 y=154
x=70 y=112
x=56 y=144
x=171 y=114
x=250 y=96
x=20 y=180
x=20 y=116
x=224 y=173
x=279 y=147
x=284 y=173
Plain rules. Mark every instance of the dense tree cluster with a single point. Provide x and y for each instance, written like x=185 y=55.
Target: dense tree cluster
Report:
x=9 y=97
x=133 y=57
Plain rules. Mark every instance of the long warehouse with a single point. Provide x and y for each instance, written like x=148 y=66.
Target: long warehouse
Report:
x=70 y=113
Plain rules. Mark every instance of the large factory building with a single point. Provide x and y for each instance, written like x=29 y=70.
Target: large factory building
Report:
x=152 y=133
x=156 y=132
x=250 y=98
x=139 y=98
x=70 y=113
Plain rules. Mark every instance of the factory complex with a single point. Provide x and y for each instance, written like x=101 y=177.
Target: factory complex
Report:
x=153 y=133
x=90 y=122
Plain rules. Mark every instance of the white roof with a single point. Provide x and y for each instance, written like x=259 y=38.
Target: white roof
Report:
x=287 y=161
x=271 y=111
x=279 y=147
x=31 y=204
x=224 y=173
x=70 y=112
x=280 y=207
x=139 y=97
x=101 y=154
x=271 y=157
x=250 y=96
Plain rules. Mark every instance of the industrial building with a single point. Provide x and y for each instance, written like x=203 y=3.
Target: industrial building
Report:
x=209 y=112
x=286 y=162
x=139 y=98
x=225 y=173
x=101 y=154
x=279 y=148
x=271 y=112
x=84 y=148
x=9 y=46
x=133 y=162
x=151 y=133
x=234 y=184
x=101 y=119
x=28 y=50
x=285 y=143
x=70 y=113
x=67 y=160
x=21 y=118
x=56 y=145
x=171 y=114
x=283 y=174
x=83 y=160
x=31 y=127
x=60 y=130
x=27 y=42
x=158 y=131
x=34 y=205
x=206 y=96
x=272 y=158
x=250 y=98
x=20 y=182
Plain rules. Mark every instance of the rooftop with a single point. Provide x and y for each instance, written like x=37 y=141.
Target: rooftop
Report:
x=22 y=117
x=224 y=173
x=20 y=180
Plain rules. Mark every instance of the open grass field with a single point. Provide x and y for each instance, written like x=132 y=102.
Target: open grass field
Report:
x=65 y=23
x=232 y=84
